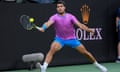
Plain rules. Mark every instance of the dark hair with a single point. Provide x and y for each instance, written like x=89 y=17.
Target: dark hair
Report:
x=60 y=2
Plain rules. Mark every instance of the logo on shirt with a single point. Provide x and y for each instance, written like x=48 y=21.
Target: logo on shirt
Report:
x=85 y=12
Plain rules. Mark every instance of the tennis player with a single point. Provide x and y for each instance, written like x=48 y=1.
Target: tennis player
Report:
x=118 y=30
x=65 y=35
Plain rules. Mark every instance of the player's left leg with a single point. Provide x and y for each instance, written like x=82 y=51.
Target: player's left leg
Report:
x=87 y=54
x=118 y=48
x=118 y=59
x=80 y=48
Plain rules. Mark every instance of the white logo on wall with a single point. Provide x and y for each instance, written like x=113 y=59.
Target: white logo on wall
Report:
x=83 y=35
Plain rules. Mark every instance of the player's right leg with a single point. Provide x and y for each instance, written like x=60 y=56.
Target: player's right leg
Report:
x=55 y=46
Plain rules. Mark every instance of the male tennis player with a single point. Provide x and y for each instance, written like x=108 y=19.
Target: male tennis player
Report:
x=118 y=30
x=65 y=35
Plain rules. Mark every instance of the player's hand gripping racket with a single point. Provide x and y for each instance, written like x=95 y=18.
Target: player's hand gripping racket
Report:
x=27 y=22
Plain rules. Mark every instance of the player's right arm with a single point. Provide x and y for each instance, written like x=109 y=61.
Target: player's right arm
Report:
x=45 y=26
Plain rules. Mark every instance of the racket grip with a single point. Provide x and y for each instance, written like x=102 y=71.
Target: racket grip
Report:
x=40 y=28
x=37 y=27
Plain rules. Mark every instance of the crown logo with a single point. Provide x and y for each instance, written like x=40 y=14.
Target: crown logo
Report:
x=85 y=12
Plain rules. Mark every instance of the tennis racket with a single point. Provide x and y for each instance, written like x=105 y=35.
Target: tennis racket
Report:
x=25 y=22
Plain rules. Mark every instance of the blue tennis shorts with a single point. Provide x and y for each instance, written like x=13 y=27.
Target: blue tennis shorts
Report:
x=70 y=42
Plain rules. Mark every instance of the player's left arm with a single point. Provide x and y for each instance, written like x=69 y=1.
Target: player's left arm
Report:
x=84 y=27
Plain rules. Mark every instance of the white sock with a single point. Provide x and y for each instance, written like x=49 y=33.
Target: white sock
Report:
x=118 y=57
x=45 y=65
x=96 y=63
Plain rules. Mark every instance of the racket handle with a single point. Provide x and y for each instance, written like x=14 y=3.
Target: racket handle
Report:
x=39 y=28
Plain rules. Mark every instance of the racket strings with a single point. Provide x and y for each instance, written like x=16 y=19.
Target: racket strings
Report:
x=24 y=19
